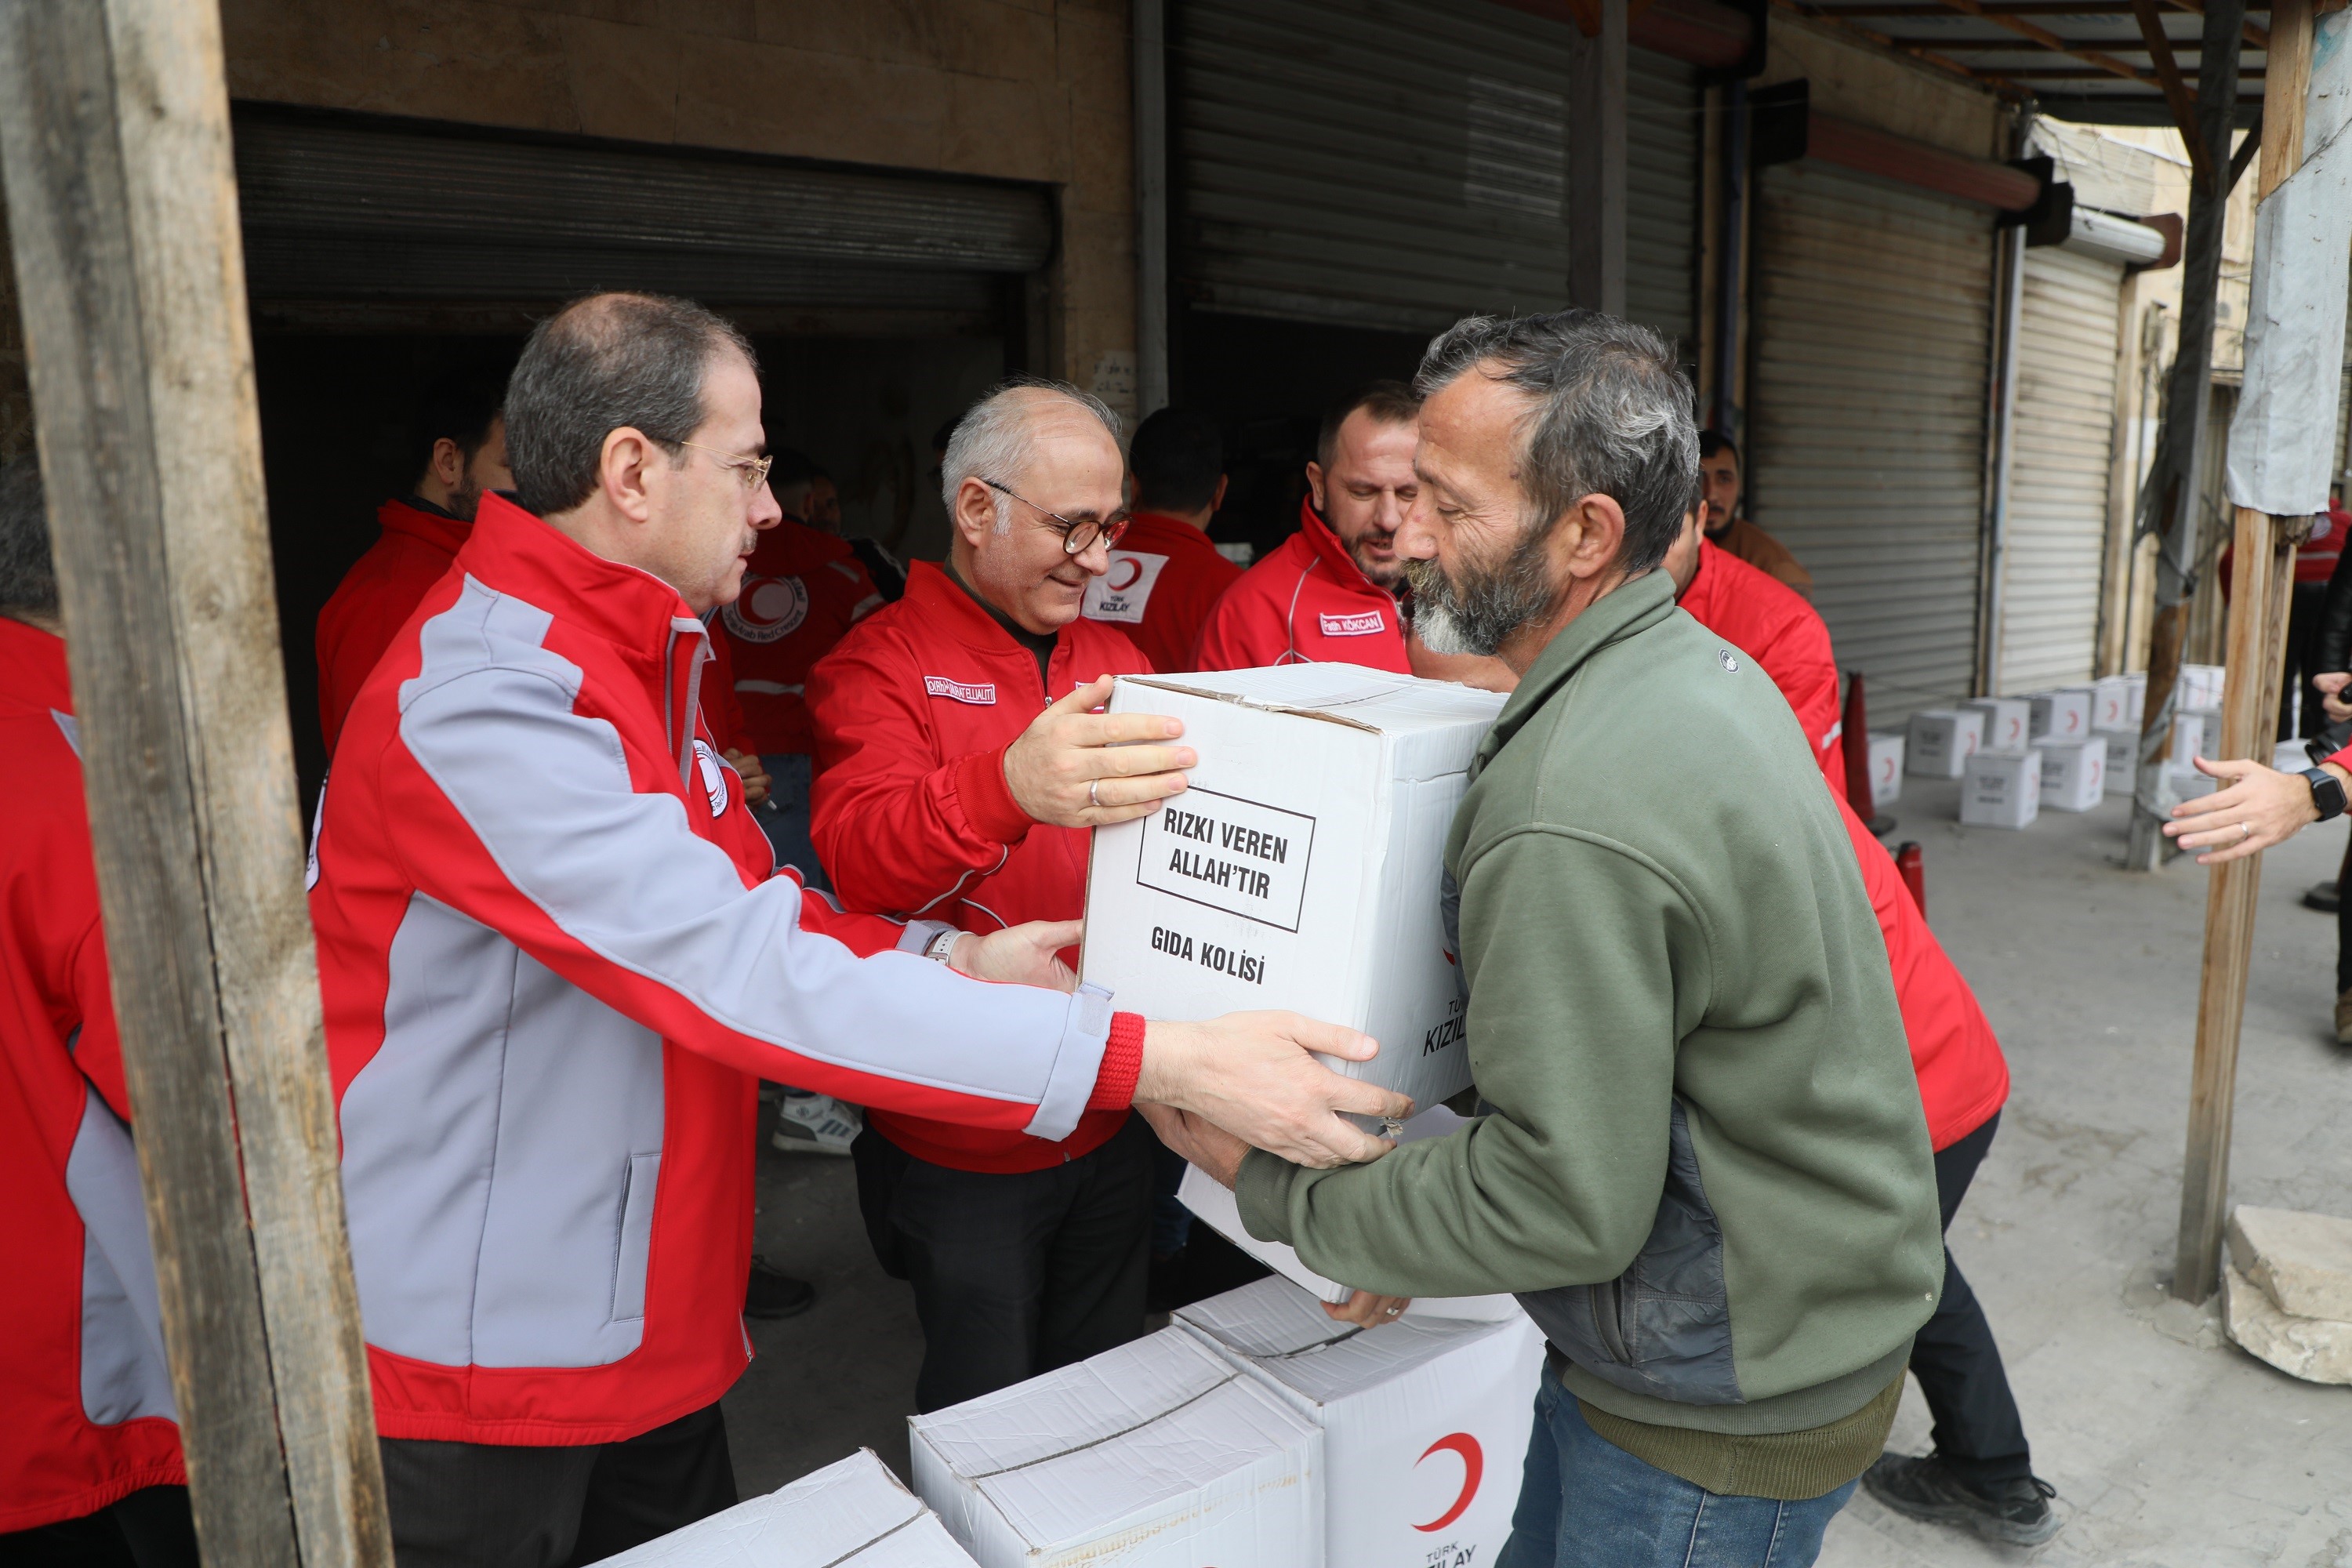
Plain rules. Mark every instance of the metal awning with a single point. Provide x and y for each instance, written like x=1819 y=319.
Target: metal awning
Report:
x=2113 y=62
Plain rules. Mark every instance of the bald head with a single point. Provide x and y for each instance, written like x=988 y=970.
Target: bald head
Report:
x=607 y=362
x=1028 y=454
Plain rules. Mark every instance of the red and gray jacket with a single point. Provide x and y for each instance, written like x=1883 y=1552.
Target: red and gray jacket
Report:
x=374 y=600
x=1306 y=603
x=1164 y=579
x=1773 y=623
x=85 y=1412
x=913 y=817
x=555 y=958
x=802 y=590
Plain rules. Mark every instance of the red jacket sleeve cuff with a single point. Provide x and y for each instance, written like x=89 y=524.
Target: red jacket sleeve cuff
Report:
x=1122 y=1064
x=988 y=800
x=2343 y=759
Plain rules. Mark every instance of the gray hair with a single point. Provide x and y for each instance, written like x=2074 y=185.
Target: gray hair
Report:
x=1613 y=415
x=29 y=578
x=600 y=364
x=995 y=437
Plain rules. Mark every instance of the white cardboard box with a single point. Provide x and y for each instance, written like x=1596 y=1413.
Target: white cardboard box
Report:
x=855 y=1512
x=2001 y=789
x=2199 y=686
x=2008 y=721
x=1212 y=1203
x=2074 y=774
x=2122 y=759
x=1886 y=767
x=1940 y=741
x=1159 y=1454
x=2063 y=714
x=1424 y=1421
x=1302 y=868
x=2111 y=702
x=2135 y=690
x=2193 y=729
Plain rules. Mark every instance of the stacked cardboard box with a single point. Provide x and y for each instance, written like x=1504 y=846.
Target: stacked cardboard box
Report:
x=1886 y=766
x=1940 y=742
x=2111 y=702
x=1159 y=1454
x=2008 y=721
x=2001 y=789
x=2063 y=714
x=2287 y=1291
x=2123 y=758
x=1424 y=1420
x=2074 y=774
x=2199 y=686
x=1301 y=868
x=854 y=1513
x=1212 y=1203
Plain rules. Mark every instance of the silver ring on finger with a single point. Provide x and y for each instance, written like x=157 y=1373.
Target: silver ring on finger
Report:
x=2246 y=829
x=1092 y=799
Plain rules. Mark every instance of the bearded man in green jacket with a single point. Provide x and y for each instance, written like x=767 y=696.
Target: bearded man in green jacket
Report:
x=1702 y=1166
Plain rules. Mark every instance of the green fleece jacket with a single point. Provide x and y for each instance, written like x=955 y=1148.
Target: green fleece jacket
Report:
x=1705 y=1168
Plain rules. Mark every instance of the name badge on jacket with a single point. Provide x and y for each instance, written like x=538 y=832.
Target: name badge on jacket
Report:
x=982 y=696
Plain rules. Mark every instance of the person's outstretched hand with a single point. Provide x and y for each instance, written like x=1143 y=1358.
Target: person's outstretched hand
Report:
x=2255 y=808
x=2331 y=693
x=1367 y=1311
x=1253 y=1076
x=1026 y=954
x=1075 y=768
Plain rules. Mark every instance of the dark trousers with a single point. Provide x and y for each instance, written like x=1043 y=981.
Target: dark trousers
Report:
x=1018 y=1274
x=150 y=1528
x=485 y=1505
x=1977 y=1430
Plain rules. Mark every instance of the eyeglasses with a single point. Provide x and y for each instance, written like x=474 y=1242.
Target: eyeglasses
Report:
x=1079 y=534
x=752 y=471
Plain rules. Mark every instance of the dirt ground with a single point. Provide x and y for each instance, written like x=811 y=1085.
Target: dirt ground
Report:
x=2167 y=1444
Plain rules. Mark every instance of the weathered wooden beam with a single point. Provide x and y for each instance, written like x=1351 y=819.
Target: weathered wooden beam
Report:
x=114 y=145
x=2264 y=565
x=2051 y=41
x=2177 y=95
x=1835 y=22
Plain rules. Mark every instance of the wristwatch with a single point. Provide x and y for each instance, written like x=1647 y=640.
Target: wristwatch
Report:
x=940 y=947
x=2326 y=793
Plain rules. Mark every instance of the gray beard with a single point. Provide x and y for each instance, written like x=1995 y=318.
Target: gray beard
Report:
x=1489 y=608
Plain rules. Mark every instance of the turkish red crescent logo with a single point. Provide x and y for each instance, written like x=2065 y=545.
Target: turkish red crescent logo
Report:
x=1134 y=573
x=1474 y=1468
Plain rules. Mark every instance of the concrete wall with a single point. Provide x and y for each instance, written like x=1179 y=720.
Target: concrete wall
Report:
x=1023 y=90
x=1857 y=80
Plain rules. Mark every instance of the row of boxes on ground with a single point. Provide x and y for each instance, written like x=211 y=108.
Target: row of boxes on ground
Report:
x=1997 y=786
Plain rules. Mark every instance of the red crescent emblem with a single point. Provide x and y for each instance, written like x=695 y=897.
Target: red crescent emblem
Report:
x=1474 y=1467
x=1134 y=570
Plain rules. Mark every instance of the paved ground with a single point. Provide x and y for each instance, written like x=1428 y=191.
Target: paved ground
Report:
x=2167 y=1444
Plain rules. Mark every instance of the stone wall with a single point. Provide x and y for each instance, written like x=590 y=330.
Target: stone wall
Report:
x=1022 y=89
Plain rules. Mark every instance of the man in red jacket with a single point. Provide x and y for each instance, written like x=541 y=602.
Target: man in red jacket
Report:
x=1765 y=618
x=959 y=773
x=1165 y=576
x=554 y=954
x=458 y=442
x=89 y=1447
x=1328 y=594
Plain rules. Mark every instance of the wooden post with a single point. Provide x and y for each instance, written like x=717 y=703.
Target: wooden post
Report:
x=114 y=145
x=2264 y=570
x=1597 y=189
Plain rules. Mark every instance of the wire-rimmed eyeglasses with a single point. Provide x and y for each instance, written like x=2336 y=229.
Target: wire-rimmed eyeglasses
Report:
x=752 y=471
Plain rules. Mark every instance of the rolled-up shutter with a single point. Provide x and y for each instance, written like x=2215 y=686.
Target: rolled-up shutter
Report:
x=1866 y=417
x=1398 y=165
x=2061 y=442
x=345 y=208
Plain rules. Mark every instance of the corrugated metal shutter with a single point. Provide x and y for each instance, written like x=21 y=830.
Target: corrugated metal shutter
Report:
x=1867 y=398
x=2062 y=442
x=1400 y=164
x=336 y=208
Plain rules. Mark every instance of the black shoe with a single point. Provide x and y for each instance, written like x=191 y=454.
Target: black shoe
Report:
x=2016 y=1511
x=2322 y=897
x=773 y=1295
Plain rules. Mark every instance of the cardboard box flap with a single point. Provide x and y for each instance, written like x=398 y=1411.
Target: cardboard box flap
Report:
x=854 y=1513
x=1364 y=699
x=1065 y=1457
x=1283 y=1332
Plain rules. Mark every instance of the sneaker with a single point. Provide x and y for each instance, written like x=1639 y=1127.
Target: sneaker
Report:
x=816 y=1124
x=2016 y=1512
x=773 y=1295
x=2322 y=897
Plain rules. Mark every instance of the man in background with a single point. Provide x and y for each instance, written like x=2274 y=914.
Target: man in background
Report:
x=89 y=1447
x=457 y=451
x=1728 y=528
x=824 y=511
x=960 y=774
x=1328 y=593
x=1165 y=576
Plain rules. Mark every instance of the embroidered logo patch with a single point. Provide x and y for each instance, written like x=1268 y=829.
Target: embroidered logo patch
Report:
x=1121 y=593
x=767 y=609
x=1362 y=623
x=980 y=696
x=1729 y=660
x=714 y=777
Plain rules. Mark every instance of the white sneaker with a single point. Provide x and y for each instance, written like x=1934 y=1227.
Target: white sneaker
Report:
x=816 y=1124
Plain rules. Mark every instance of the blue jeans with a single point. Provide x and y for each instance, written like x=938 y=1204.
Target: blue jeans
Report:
x=1587 y=1503
x=783 y=817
